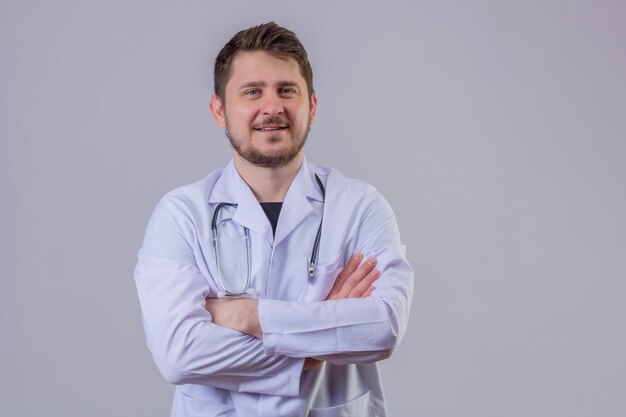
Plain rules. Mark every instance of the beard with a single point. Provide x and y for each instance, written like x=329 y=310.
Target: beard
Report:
x=254 y=156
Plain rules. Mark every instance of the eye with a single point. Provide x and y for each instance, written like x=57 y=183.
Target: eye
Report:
x=251 y=92
x=287 y=91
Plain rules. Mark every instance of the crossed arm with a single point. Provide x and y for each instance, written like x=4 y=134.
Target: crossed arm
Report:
x=275 y=338
x=355 y=281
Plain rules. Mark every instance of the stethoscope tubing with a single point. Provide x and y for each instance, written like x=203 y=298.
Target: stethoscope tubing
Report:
x=225 y=291
x=318 y=236
x=246 y=289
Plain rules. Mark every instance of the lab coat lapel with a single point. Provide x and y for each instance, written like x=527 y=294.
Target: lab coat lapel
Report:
x=231 y=188
x=297 y=206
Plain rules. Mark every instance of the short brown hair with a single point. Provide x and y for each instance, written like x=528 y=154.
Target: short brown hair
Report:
x=268 y=37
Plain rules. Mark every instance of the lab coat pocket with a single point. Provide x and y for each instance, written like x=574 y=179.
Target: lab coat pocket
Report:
x=359 y=407
x=319 y=285
x=195 y=407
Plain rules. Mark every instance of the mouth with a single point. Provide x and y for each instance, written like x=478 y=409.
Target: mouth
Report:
x=271 y=128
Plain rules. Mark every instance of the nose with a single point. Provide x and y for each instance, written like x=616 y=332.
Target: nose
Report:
x=272 y=105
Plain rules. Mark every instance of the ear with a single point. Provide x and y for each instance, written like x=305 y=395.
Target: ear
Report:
x=217 y=111
x=313 y=106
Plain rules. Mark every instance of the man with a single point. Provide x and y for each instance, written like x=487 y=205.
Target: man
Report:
x=256 y=297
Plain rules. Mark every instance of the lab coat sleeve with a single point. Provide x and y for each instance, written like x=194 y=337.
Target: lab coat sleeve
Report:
x=186 y=346
x=349 y=330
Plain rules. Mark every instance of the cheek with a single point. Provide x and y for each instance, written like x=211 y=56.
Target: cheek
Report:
x=300 y=114
x=245 y=115
x=240 y=114
x=305 y=116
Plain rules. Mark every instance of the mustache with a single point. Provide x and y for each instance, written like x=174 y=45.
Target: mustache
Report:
x=273 y=120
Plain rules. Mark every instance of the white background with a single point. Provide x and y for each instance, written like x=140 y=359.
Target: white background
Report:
x=496 y=129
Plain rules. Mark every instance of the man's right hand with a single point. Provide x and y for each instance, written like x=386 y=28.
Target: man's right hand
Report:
x=354 y=281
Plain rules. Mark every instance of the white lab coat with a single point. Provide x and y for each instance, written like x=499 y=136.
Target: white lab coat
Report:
x=221 y=372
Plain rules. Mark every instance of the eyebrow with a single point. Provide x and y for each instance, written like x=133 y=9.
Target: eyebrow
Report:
x=284 y=83
x=253 y=84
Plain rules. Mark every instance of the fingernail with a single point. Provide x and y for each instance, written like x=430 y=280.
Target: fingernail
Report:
x=372 y=261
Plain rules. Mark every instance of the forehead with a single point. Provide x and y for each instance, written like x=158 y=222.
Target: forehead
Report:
x=250 y=66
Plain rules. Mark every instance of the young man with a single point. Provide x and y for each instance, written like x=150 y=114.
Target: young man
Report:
x=256 y=297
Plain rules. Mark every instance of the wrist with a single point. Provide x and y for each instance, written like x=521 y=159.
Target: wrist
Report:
x=252 y=325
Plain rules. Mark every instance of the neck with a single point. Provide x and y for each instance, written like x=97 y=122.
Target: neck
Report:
x=268 y=184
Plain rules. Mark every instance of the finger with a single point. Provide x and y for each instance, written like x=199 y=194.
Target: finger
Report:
x=364 y=284
x=356 y=277
x=352 y=265
x=369 y=292
x=345 y=273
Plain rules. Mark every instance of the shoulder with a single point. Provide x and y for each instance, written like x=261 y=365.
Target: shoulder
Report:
x=335 y=180
x=191 y=197
x=344 y=190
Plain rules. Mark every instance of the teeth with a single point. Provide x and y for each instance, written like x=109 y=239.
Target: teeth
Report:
x=270 y=128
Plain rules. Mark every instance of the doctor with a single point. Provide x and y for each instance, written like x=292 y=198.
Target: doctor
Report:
x=256 y=297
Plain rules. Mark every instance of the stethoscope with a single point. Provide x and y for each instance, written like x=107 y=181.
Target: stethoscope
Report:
x=225 y=291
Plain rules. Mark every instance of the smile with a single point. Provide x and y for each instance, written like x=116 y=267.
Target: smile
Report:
x=270 y=128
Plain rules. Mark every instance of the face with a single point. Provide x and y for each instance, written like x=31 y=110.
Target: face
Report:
x=266 y=109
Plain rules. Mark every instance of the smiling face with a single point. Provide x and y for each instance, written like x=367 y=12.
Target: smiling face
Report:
x=266 y=109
